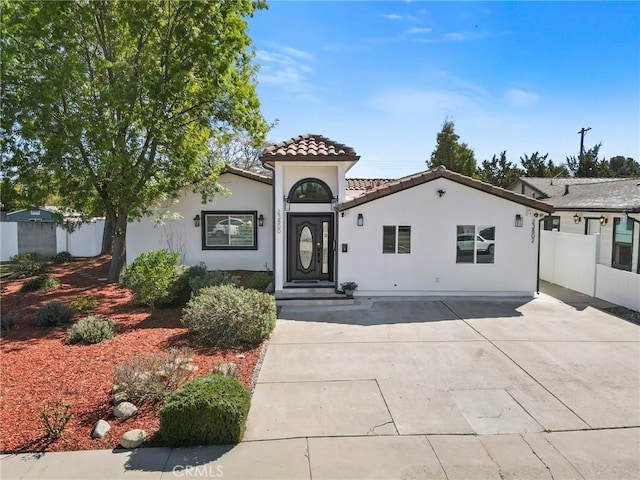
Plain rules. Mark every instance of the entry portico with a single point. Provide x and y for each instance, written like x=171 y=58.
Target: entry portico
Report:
x=308 y=183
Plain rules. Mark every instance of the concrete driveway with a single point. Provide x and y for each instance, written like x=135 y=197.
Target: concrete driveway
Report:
x=451 y=388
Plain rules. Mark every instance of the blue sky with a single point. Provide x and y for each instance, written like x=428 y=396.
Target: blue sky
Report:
x=517 y=76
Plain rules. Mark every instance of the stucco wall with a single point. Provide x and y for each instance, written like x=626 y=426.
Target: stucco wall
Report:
x=568 y=225
x=431 y=266
x=181 y=234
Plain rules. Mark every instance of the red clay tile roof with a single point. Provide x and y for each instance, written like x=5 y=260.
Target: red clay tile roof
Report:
x=309 y=145
x=441 y=172
x=247 y=174
x=366 y=183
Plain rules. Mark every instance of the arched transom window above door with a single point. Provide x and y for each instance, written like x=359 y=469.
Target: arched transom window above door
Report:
x=310 y=190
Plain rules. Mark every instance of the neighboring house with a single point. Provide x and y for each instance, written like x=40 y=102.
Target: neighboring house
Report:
x=607 y=206
x=435 y=232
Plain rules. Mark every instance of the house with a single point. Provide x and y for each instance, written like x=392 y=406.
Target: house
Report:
x=433 y=233
x=606 y=206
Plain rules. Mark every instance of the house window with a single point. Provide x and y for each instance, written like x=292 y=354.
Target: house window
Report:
x=552 y=223
x=310 y=190
x=475 y=244
x=622 y=244
x=396 y=239
x=229 y=231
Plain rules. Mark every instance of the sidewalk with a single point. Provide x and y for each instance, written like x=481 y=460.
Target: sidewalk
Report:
x=597 y=454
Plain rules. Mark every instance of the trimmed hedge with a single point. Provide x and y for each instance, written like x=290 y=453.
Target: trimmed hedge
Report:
x=228 y=316
x=209 y=410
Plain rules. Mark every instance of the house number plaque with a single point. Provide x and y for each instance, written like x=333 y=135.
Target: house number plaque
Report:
x=279 y=222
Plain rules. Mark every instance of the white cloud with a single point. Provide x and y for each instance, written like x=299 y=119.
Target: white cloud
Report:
x=404 y=18
x=414 y=31
x=455 y=36
x=287 y=69
x=520 y=98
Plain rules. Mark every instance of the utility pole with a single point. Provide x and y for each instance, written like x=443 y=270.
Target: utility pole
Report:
x=581 y=133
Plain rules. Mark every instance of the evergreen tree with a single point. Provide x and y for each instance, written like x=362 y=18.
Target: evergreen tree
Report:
x=455 y=156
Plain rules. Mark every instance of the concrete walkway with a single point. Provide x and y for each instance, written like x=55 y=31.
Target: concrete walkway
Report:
x=413 y=388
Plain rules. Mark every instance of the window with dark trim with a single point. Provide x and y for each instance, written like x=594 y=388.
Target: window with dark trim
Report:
x=622 y=244
x=552 y=223
x=310 y=190
x=229 y=230
x=475 y=244
x=396 y=239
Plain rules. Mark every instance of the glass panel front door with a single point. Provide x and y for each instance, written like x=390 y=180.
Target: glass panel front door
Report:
x=310 y=247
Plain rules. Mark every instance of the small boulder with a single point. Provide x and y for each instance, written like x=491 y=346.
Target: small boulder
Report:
x=120 y=397
x=124 y=409
x=228 y=369
x=133 y=438
x=101 y=429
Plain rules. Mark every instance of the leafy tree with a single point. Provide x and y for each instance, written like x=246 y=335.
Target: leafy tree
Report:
x=455 y=156
x=587 y=164
x=499 y=171
x=536 y=165
x=624 y=167
x=239 y=150
x=112 y=103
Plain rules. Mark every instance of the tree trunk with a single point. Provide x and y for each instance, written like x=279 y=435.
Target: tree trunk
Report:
x=107 y=235
x=119 y=245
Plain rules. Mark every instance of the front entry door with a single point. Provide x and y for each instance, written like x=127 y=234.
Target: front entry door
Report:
x=310 y=247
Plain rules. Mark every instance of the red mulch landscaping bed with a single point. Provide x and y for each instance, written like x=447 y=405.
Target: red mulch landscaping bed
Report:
x=38 y=366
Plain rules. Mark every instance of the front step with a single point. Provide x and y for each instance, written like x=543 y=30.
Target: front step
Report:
x=311 y=297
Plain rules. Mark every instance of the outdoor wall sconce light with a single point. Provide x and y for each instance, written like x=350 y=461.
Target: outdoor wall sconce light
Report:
x=196 y=220
x=577 y=218
x=334 y=203
x=441 y=192
x=261 y=220
x=519 y=220
x=360 y=220
x=603 y=220
x=286 y=204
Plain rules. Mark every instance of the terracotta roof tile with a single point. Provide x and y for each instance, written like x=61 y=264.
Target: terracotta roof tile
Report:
x=309 y=145
x=366 y=183
x=394 y=186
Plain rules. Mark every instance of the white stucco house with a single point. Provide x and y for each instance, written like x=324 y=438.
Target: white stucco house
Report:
x=433 y=233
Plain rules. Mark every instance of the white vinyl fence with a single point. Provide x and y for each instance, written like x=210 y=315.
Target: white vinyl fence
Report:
x=85 y=241
x=571 y=260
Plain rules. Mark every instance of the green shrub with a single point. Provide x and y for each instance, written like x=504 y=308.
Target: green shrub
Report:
x=212 y=278
x=62 y=257
x=54 y=313
x=91 y=329
x=150 y=276
x=179 y=291
x=42 y=283
x=8 y=321
x=209 y=410
x=228 y=316
x=27 y=265
x=149 y=378
x=84 y=304
x=260 y=281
